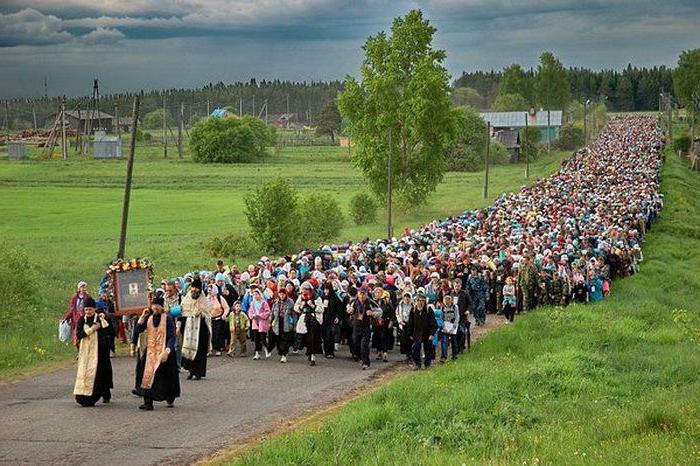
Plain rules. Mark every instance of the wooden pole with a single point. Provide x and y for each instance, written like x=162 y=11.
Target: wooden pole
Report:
x=34 y=115
x=486 y=159
x=527 y=148
x=64 y=146
x=7 y=121
x=179 y=129
x=585 y=124
x=116 y=118
x=208 y=112
x=78 y=140
x=129 y=175
x=389 y=226
x=165 y=132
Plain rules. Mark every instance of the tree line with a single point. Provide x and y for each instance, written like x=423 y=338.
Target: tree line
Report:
x=631 y=89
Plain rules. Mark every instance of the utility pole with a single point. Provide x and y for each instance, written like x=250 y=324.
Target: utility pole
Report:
x=287 y=104
x=7 y=121
x=240 y=106
x=585 y=123
x=527 y=148
x=389 y=226
x=64 y=146
x=669 y=110
x=78 y=139
x=265 y=111
x=253 y=104
x=34 y=115
x=486 y=159
x=46 y=88
x=165 y=131
x=116 y=119
x=179 y=129
x=208 y=112
x=129 y=174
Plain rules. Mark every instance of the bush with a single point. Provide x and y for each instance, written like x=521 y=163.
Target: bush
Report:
x=321 y=218
x=363 y=209
x=272 y=214
x=682 y=143
x=469 y=147
x=154 y=119
x=529 y=148
x=18 y=283
x=230 y=140
x=143 y=135
x=570 y=137
x=232 y=246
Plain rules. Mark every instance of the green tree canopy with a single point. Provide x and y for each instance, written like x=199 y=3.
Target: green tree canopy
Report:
x=329 y=120
x=230 y=140
x=467 y=96
x=154 y=119
x=509 y=103
x=469 y=145
x=515 y=81
x=551 y=85
x=686 y=82
x=404 y=87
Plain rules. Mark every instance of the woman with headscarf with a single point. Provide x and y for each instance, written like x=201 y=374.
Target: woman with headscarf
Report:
x=75 y=309
x=259 y=313
x=332 y=310
x=310 y=311
x=283 y=321
x=403 y=312
x=219 y=314
x=94 y=378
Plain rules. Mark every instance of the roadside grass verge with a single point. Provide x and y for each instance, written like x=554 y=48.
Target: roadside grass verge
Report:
x=613 y=383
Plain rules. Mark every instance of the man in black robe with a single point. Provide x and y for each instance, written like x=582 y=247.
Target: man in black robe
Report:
x=160 y=380
x=196 y=330
x=94 y=378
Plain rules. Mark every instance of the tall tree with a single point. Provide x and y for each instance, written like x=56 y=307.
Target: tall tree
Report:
x=329 y=120
x=509 y=103
x=686 y=81
x=515 y=81
x=551 y=86
x=403 y=91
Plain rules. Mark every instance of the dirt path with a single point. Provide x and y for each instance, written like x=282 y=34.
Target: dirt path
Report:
x=240 y=400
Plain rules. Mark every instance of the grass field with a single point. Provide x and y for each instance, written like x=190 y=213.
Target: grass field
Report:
x=66 y=216
x=613 y=383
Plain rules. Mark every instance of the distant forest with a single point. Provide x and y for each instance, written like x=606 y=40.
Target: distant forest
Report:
x=632 y=89
x=627 y=90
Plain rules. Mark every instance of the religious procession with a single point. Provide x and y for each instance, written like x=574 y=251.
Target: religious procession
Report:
x=563 y=239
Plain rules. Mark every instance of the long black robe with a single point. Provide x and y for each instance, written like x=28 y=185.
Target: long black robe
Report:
x=197 y=367
x=103 y=376
x=166 y=381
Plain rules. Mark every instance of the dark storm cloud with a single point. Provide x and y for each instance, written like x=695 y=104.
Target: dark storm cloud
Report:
x=318 y=39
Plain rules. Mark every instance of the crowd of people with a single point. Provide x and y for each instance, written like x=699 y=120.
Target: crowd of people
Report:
x=561 y=240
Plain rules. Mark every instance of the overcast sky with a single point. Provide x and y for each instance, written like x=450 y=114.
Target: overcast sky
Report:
x=133 y=44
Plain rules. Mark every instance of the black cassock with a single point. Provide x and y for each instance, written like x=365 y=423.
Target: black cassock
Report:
x=197 y=367
x=166 y=381
x=103 y=376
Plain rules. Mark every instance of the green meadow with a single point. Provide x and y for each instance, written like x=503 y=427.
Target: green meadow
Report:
x=613 y=383
x=65 y=216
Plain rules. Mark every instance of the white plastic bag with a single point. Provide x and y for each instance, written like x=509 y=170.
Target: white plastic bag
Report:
x=64 y=330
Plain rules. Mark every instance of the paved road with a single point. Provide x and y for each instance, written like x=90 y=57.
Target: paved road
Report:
x=240 y=398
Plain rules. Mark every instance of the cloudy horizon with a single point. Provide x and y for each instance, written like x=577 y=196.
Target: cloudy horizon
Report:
x=153 y=44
